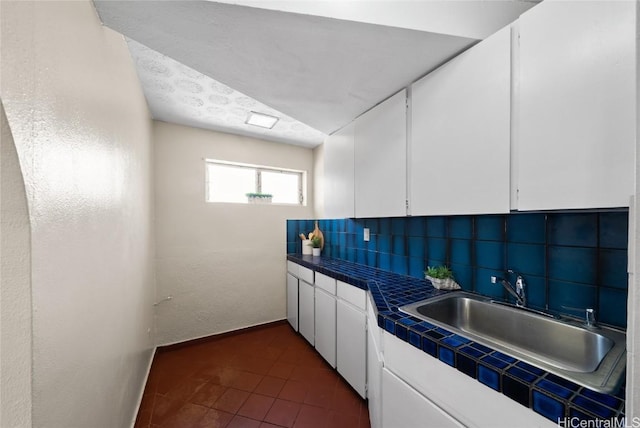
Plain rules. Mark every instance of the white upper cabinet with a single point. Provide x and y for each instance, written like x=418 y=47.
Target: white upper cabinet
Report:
x=339 y=174
x=576 y=105
x=381 y=159
x=459 y=153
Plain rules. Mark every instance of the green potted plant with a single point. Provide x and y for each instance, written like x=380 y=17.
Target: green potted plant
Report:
x=259 y=198
x=316 y=243
x=441 y=277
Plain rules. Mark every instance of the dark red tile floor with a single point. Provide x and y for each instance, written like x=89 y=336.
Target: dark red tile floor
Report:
x=266 y=377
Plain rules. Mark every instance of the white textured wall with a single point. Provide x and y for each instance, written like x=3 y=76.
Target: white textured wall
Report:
x=224 y=264
x=82 y=132
x=633 y=307
x=318 y=179
x=15 y=288
x=633 y=300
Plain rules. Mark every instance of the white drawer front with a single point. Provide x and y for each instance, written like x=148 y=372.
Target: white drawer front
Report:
x=292 y=268
x=353 y=295
x=325 y=282
x=305 y=274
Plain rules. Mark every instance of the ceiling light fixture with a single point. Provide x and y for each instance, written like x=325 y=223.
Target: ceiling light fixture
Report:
x=262 y=120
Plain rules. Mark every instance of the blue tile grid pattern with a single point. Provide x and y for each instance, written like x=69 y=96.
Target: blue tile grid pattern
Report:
x=547 y=394
x=574 y=259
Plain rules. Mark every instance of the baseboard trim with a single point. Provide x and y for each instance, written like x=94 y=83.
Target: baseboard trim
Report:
x=211 y=338
x=144 y=385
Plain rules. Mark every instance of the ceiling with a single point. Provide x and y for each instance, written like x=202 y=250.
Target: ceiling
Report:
x=179 y=94
x=208 y=64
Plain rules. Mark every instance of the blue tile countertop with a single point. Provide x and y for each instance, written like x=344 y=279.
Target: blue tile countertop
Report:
x=547 y=394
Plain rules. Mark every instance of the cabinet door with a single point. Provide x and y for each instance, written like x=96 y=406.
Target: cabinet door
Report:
x=403 y=406
x=351 y=346
x=460 y=133
x=374 y=379
x=458 y=395
x=306 y=311
x=339 y=198
x=381 y=159
x=292 y=301
x=576 y=105
x=325 y=338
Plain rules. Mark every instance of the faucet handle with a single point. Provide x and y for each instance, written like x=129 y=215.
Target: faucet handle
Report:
x=513 y=272
x=589 y=315
x=519 y=278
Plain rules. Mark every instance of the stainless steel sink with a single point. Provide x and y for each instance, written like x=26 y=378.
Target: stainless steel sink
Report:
x=595 y=358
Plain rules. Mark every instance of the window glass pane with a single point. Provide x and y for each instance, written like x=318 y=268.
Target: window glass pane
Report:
x=230 y=183
x=284 y=186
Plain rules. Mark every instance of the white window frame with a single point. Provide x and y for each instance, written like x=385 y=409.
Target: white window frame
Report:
x=302 y=179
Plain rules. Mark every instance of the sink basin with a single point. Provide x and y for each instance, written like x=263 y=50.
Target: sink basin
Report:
x=595 y=358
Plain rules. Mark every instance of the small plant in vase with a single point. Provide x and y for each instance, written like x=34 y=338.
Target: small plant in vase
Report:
x=316 y=244
x=259 y=198
x=441 y=277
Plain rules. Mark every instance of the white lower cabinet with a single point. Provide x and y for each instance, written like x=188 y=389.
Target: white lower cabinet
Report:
x=292 y=300
x=325 y=338
x=351 y=346
x=306 y=312
x=464 y=399
x=374 y=378
x=332 y=317
x=405 y=407
x=405 y=387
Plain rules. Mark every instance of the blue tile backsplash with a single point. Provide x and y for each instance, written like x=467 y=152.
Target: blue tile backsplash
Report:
x=568 y=259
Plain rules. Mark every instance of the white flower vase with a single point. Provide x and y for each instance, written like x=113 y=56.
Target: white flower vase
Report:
x=306 y=247
x=259 y=199
x=443 y=284
x=316 y=252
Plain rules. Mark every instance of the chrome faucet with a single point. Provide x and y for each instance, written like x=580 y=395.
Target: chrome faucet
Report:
x=517 y=292
x=589 y=315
